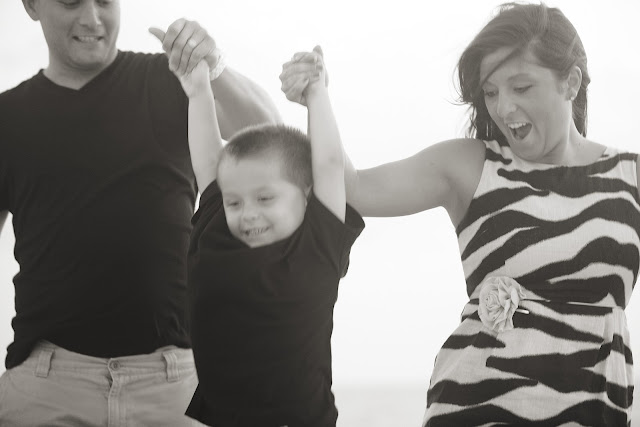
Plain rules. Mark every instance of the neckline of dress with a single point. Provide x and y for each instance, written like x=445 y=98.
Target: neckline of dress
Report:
x=605 y=154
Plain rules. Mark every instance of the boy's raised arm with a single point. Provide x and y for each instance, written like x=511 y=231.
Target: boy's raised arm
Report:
x=205 y=141
x=327 y=156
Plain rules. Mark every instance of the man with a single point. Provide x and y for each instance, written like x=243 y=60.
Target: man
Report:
x=95 y=168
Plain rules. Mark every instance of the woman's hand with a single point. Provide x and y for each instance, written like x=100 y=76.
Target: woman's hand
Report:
x=304 y=75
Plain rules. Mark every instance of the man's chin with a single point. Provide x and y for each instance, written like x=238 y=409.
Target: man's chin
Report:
x=95 y=60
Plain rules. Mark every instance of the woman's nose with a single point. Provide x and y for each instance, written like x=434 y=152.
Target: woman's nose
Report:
x=505 y=106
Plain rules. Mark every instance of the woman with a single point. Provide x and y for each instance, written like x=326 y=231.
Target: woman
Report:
x=548 y=225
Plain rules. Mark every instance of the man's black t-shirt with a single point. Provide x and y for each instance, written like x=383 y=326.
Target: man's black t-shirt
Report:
x=262 y=318
x=101 y=189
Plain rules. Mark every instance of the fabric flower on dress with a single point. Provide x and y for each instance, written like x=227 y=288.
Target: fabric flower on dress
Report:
x=499 y=299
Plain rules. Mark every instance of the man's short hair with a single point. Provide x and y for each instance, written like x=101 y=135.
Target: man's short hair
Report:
x=291 y=146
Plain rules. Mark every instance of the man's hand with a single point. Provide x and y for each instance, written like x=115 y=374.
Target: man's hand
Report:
x=186 y=43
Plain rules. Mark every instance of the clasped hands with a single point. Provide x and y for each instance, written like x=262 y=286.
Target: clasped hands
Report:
x=187 y=44
x=303 y=75
x=189 y=47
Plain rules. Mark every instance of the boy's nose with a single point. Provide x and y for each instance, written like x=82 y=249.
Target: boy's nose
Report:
x=249 y=213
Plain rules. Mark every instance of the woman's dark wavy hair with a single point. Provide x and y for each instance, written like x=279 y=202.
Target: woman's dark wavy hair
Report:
x=536 y=28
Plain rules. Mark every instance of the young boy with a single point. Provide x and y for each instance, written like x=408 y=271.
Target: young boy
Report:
x=267 y=251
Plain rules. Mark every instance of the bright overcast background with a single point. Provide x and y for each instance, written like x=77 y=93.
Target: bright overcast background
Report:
x=391 y=66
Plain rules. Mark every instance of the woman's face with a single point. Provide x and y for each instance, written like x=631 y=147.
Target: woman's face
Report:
x=530 y=105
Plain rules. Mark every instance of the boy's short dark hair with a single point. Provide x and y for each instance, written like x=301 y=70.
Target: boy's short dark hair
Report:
x=290 y=145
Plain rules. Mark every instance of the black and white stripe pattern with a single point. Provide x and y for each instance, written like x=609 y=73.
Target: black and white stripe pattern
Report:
x=570 y=237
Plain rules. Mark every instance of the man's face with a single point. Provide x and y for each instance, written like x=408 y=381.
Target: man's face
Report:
x=81 y=34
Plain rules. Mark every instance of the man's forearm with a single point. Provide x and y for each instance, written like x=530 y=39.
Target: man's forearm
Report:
x=240 y=103
x=3 y=218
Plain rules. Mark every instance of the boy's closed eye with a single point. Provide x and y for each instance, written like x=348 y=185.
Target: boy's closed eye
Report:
x=232 y=203
x=266 y=198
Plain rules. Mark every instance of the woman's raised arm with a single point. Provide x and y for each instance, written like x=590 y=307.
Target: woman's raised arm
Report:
x=445 y=174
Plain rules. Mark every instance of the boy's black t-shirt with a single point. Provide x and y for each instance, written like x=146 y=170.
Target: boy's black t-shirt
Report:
x=262 y=318
x=102 y=193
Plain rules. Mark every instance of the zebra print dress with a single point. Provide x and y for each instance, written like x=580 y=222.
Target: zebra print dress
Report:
x=569 y=236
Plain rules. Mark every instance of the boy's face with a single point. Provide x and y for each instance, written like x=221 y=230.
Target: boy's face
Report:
x=260 y=204
x=81 y=34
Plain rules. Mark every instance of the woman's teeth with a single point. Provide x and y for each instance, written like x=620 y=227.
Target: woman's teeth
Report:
x=519 y=130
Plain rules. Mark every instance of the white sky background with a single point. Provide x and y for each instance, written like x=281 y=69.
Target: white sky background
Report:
x=391 y=67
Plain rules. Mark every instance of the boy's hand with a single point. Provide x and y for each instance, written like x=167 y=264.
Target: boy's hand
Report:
x=304 y=75
x=197 y=81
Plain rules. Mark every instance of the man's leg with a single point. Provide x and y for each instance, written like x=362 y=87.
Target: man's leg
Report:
x=48 y=390
x=58 y=388
x=154 y=389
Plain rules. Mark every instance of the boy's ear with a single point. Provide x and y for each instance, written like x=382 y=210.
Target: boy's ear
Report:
x=30 y=7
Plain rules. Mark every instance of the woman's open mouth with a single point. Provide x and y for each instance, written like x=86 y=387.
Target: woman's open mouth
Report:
x=519 y=130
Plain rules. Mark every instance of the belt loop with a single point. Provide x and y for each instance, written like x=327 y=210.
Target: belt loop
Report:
x=44 y=362
x=172 y=366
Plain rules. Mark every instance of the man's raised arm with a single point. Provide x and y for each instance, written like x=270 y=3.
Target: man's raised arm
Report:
x=239 y=101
